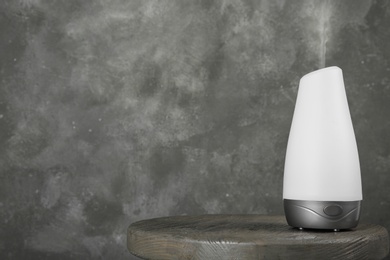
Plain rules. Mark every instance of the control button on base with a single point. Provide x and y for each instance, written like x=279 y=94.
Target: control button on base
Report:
x=333 y=210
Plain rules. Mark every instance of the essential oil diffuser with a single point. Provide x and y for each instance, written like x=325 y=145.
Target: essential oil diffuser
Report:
x=322 y=184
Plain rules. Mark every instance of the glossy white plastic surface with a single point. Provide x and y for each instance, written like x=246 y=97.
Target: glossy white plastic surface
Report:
x=322 y=161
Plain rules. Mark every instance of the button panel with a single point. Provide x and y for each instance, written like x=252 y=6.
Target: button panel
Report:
x=333 y=210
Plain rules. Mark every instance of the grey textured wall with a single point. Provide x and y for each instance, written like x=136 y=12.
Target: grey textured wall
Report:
x=116 y=111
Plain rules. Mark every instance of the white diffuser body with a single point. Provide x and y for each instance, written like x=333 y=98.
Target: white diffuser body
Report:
x=322 y=183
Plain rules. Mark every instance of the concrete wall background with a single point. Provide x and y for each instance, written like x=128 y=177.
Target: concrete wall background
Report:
x=116 y=111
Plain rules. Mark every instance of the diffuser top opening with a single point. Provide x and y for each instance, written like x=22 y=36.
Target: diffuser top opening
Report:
x=321 y=71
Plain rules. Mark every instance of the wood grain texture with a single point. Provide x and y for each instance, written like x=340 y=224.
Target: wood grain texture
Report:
x=250 y=237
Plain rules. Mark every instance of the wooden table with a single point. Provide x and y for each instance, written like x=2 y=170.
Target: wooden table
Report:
x=250 y=237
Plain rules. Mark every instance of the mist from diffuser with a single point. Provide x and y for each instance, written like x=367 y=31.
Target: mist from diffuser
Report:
x=322 y=182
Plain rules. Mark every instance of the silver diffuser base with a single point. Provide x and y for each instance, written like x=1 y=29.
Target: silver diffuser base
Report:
x=333 y=215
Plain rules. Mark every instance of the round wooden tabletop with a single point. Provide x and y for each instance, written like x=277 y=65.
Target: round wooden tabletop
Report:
x=250 y=237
